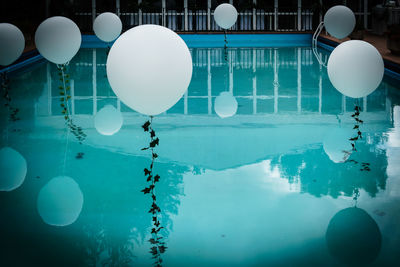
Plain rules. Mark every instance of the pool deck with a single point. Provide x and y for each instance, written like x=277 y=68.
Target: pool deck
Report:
x=378 y=41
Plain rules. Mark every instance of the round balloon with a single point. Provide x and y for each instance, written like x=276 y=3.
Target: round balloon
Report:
x=353 y=237
x=339 y=21
x=225 y=105
x=108 y=120
x=225 y=15
x=12 y=43
x=60 y=201
x=13 y=169
x=58 y=39
x=355 y=68
x=149 y=68
x=336 y=144
x=107 y=26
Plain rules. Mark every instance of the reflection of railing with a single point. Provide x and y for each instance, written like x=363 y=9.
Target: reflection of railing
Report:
x=254 y=63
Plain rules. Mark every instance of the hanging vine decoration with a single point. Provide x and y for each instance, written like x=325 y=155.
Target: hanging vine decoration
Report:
x=225 y=46
x=156 y=241
x=353 y=140
x=5 y=85
x=65 y=97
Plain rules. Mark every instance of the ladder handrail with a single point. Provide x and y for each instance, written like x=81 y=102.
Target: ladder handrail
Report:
x=315 y=44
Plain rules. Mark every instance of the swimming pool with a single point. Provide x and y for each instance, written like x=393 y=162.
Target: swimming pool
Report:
x=259 y=188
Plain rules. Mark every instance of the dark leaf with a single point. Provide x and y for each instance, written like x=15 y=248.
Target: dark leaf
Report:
x=146 y=125
x=146 y=190
x=146 y=171
x=156 y=178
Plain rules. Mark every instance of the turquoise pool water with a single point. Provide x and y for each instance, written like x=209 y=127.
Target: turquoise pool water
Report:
x=260 y=188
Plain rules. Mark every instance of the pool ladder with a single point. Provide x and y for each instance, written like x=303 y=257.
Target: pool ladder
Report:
x=315 y=45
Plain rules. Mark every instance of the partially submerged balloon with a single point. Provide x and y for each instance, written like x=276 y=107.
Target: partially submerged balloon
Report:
x=353 y=237
x=107 y=26
x=58 y=39
x=225 y=105
x=355 y=68
x=12 y=43
x=225 y=15
x=336 y=144
x=339 y=21
x=60 y=201
x=13 y=169
x=108 y=120
x=149 y=68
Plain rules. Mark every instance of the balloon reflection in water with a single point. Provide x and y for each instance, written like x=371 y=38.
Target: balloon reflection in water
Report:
x=108 y=120
x=60 y=201
x=13 y=169
x=353 y=237
x=225 y=105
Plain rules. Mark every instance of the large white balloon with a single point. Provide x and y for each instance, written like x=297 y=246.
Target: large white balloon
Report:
x=12 y=43
x=60 y=201
x=339 y=21
x=12 y=169
x=149 y=68
x=225 y=105
x=337 y=142
x=107 y=26
x=58 y=39
x=108 y=120
x=355 y=68
x=225 y=15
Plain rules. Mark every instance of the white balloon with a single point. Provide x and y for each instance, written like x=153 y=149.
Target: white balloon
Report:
x=58 y=39
x=107 y=26
x=12 y=43
x=225 y=15
x=12 y=169
x=60 y=201
x=336 y=142
x=108 y=120
x=149 y=68
x=355 y=68
x=225 y=105
x=339 y=21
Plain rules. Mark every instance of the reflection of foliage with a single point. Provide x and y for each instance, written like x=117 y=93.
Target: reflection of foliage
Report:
x=102 y=249
x=318 y=175
x=158 y=245
x=5 y=86
x=115 y=212
x=65 y=97
x=353 y=140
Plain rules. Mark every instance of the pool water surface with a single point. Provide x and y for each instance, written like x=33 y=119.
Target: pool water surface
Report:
x=256 y=189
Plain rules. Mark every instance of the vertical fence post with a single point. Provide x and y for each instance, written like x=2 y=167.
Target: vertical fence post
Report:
x=365 y=14
x=93 y=10
x=140 y=12
x=118 y=7
x=164 y=7
x=185 y=6
x=299 y=15
x=209 y=15
x=275 y=15
x=320 y=11
x=47 y=11
x=254 y=15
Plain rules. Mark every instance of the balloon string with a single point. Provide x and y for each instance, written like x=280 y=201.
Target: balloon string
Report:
x=68 y=112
